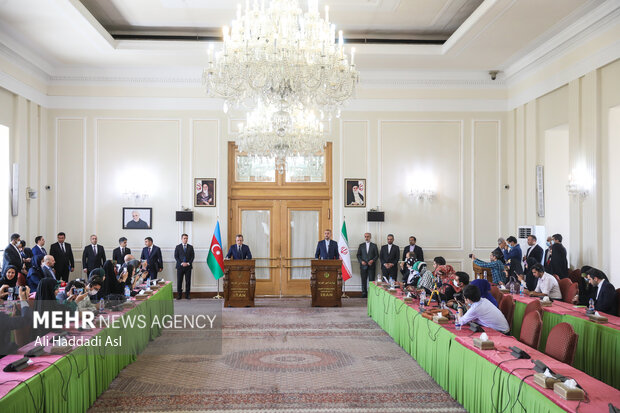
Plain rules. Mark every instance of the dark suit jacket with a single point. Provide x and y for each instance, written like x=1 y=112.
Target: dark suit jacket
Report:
x=372 y=254
x=154 y=261
x=535 y=252
x=558 y=264
x=90 y=260
x=323 y=254
x=418 y=254
x=11 y=257
x=47 y=273
x=181 y=256
x=392 y=257
x=63 y=260
x=606 y=299
x=118 y=257
x=244 y=255
x=27 y=253
x=36 y=250
x=501 y=254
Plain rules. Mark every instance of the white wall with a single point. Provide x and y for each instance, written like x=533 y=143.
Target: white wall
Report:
x=556 y=170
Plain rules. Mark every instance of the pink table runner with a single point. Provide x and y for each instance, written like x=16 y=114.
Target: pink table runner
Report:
x=599 y=394
x=8 y=381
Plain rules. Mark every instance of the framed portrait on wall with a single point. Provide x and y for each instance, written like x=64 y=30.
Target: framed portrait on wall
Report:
x=137 y=218
x=204 y=192
x=355 y=192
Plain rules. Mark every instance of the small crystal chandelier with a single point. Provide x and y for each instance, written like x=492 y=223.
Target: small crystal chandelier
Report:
x=273 y=133
x=282 y=57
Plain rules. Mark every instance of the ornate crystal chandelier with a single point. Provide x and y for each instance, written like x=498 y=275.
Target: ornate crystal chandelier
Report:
x=273 y=133
x=283 y=59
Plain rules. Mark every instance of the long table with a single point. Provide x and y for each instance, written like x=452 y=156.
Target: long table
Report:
x=598 y=346
x=479 y=380
x=72 y=382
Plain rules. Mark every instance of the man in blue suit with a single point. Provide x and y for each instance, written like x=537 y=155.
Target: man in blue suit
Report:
x=328 y=248
x=239 y=251
x=39 y=248
x=152 y=254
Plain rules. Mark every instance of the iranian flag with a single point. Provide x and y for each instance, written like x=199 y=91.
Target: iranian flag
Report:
x=343 y=250
x=215 y=259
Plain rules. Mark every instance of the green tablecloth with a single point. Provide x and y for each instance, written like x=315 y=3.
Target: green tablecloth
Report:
x=74 y=382
x=598 y=346
x=470 y=379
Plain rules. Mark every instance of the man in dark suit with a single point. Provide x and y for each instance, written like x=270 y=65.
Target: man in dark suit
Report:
x=328 y=248
x=603 y=292
x=184 y=256
x=416 y=253
x=389 y=259
x=63 y=256
x=93 y=256
x=39 y=246
x=534 y=251
x=239 y=251
x=499 y=251
x=556 y=263
x=12 y=255
x=118 y=254
x=152 y=254
x=47 y=266
x=367 y=254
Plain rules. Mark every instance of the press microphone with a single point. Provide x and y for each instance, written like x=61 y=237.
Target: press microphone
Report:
x=17 y=365
x=518 y=353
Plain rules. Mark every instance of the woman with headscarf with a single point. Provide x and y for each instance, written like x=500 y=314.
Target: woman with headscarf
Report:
x=485 y=288
x=35 y=274
x=110 y=284
x=9 y=280
x=446 y=274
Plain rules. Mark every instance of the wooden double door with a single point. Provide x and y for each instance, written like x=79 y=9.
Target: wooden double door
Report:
x=282 y=235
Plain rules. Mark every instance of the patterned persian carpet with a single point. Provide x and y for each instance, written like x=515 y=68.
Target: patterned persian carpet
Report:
x=282 y=356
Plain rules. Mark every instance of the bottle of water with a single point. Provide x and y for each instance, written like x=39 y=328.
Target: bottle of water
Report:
x=512 y=289
x=591 y=305
x=10 y=296
x=423 y=298
x=457 y=322
x=443 y=305
x=127 y=292
x=101 y=305
x=521 y=290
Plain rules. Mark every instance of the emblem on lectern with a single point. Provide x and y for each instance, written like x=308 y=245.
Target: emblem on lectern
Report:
x=326 y=275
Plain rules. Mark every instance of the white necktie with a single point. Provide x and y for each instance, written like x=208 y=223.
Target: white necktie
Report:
x=389 y=248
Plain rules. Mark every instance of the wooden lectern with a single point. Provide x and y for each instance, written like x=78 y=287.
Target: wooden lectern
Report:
x=239 y=283
x=326 y=283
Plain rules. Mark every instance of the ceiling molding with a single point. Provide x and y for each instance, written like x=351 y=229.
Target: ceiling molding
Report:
x=591 y=25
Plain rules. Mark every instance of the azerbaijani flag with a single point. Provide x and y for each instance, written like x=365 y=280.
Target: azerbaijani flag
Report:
x=343 y=250
x=215 y=259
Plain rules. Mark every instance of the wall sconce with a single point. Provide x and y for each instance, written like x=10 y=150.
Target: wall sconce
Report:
x=577 y=184
x=423 y=194
x=137 y=197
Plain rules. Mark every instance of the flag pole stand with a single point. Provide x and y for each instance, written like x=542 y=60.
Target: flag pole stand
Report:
x=218 y=296
x=344 y=294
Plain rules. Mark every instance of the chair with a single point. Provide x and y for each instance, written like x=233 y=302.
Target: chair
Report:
x=565 y=284
x=575 y=275
x=618 y=301
x=507 y=307
x=557 y=277
x=530 y=329
x=496 y=293
x=571 y=292
x=562 y=343
x=533 y=306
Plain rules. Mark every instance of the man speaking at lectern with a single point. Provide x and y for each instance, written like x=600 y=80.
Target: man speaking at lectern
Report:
x=328 y=248
x=239 y=251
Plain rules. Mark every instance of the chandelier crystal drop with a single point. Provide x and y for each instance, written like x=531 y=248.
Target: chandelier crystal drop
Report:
x=282 y=57
x=273 y=133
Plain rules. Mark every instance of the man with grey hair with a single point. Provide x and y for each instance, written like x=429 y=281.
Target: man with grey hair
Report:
x=48 y=266
x=501 y=245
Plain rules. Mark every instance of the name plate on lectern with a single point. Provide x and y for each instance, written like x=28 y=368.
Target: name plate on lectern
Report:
x=326 y=283
x=239 y=283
